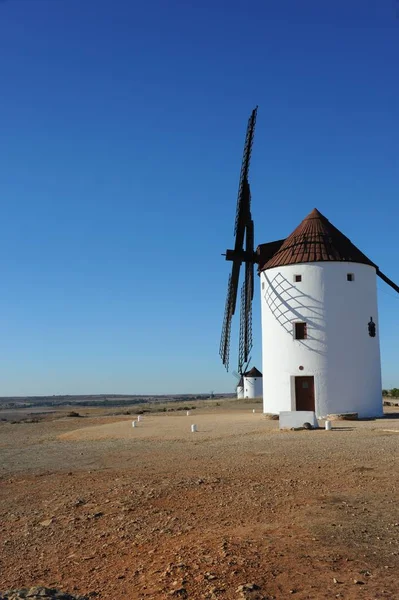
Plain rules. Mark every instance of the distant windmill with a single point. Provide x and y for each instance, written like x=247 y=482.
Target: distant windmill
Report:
x=239 y=385
x=320 y=343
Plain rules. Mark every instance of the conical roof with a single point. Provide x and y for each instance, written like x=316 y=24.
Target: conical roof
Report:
x=253 y=373
x=314 y=240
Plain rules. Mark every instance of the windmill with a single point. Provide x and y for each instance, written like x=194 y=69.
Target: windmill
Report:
x=320 y=342
x=239 y=387
x=243 y=230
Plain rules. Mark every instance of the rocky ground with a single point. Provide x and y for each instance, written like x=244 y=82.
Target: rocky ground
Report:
x=39 y=593
x=92 y=507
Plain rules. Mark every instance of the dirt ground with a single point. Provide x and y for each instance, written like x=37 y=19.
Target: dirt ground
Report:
x=238 y=510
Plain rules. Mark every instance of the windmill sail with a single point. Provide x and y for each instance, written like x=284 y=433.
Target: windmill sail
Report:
x=243 y=230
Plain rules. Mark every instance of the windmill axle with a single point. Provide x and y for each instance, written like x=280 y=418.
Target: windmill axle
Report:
x=241 y=256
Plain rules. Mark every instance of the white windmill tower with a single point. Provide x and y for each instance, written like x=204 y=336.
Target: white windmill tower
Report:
x=320 y=340
x=320 y=343
x=252 y=380
x=240 y=388
x=240 y=380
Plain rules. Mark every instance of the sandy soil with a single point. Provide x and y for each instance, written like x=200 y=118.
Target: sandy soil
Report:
x=237 y=510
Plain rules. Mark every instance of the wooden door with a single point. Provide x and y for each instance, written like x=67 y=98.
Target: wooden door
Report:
x=304 y=393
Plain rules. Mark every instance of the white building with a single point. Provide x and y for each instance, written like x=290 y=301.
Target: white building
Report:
x=240 y=388
x=320 y=339
x=252 y=383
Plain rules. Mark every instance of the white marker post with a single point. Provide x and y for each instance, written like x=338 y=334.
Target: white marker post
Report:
x=139 y=418
x=253 y=410
x=193 y=428
x=134 y=423
x=328 y=425
x=188 y=413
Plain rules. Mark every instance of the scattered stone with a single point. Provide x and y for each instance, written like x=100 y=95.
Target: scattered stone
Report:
x=218 y=590
x=247 y=587
x=39 y=593
x=343 y=417
x=358 y=582
x=300 y=428
x=46 y=522
x=80 y=501
x=179 y=592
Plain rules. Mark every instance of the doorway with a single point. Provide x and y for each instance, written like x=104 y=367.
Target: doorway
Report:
x=304 y=393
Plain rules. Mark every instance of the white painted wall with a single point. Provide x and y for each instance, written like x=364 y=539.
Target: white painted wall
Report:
x=253 y=387
x=339 y=353
x=240 y=392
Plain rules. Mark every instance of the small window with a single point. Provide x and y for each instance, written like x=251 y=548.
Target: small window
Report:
x=297 y=278
x=300 y=332
x=350 y=277
x=263 y=285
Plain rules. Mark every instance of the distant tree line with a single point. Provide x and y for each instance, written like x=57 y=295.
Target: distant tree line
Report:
x=393 y=393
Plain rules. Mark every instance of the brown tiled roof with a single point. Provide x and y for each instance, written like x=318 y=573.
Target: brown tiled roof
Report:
x=253 y=373
x=314 y=240
x=266 y=251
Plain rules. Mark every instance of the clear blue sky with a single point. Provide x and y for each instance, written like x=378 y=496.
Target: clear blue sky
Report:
x=122 y=126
